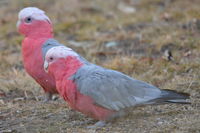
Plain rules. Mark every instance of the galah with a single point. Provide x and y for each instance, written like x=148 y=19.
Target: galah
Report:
x=100 y=93
x=37 y=29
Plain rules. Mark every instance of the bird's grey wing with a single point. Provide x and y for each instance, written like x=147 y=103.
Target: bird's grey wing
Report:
x=112 y=89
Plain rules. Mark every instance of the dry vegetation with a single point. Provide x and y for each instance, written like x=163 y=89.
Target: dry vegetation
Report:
x=105 y=34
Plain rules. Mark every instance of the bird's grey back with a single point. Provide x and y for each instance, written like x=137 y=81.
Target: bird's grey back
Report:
x=50 y=43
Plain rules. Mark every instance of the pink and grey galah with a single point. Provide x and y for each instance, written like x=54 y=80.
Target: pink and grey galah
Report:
x=100 y=93
x=37 y=29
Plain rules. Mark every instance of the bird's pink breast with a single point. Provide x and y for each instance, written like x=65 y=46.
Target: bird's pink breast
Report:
x=33 y=63
x=63 y=70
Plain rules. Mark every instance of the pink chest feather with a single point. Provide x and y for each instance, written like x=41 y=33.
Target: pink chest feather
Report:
x=33 y=63
x=68 y=90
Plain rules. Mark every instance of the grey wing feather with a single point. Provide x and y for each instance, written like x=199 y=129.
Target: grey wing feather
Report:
x=112 y=89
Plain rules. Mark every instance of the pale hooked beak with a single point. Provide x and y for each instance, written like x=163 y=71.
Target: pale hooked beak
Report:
x=46 y=65
x=18 y=23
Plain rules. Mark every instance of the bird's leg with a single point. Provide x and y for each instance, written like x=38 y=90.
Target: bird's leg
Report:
x=48 y=97
x=81 y=123
x=98 y=124
x=114 y=116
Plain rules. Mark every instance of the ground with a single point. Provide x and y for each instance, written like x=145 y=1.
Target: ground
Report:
x=156 y=41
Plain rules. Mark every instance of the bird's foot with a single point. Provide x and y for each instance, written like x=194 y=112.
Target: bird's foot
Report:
x=82 y=123
x=49 y=97
x=98 y=124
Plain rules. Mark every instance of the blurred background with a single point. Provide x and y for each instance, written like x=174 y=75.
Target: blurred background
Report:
x=152 y=40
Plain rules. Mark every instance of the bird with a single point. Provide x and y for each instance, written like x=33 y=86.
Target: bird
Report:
x=98 y=92
x=36 y=28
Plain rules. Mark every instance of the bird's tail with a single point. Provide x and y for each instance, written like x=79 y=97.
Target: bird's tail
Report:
x=171 y=96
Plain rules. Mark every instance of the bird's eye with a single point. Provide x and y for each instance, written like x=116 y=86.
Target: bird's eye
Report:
x=51 y=58
x=28 y=20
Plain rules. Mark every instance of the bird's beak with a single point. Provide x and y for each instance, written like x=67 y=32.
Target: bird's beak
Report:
x=46 y=65
x=18 y=23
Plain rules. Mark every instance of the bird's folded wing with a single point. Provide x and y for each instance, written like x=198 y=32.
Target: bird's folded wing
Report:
x=112 y=89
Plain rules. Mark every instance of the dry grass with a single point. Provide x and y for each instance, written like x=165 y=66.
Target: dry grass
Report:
x=142 y=38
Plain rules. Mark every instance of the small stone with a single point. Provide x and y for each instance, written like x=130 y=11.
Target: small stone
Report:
x=111 y=44
x=2 y=102
x=126 y=9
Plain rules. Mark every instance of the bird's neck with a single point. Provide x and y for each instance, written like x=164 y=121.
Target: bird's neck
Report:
x=45 y=30
x=42 y=33
x=31 y=48
x=65 y=68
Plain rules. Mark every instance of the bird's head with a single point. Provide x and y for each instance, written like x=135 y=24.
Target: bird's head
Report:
x=33 y=22
x=56 y=55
